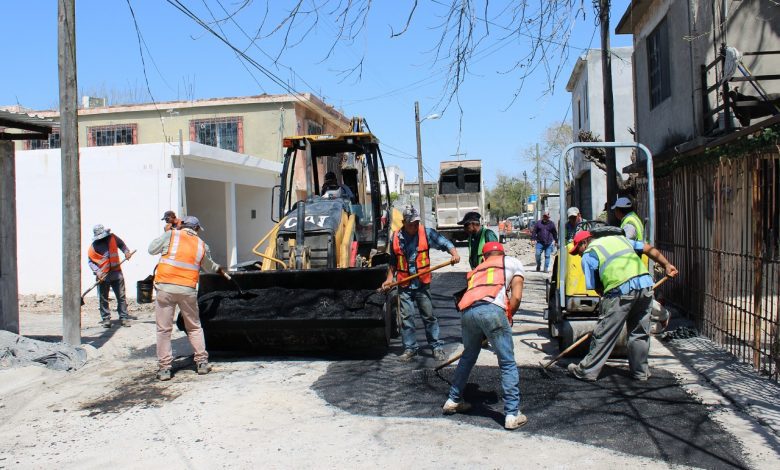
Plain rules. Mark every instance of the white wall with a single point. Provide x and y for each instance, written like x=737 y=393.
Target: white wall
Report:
x=250 y=231
x=124 y=188
x=206 y=201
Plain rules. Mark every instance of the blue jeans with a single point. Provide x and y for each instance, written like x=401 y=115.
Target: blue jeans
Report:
x=488 y=320
x=547 y=252
x=118 y=286
x=422 y=297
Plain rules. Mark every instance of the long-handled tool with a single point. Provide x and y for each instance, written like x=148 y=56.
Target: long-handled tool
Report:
x=100 y=280
x=585 y=337
x=456 y=358
x=241 y=292
x=421 y=273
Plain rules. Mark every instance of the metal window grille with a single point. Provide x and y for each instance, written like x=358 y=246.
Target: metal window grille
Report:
x=107 y=136
x=224 y=133
x=53 y=142
x=658 y=64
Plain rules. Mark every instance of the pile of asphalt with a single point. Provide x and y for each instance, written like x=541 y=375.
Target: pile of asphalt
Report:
x=293 y=304
x=19 y=351
x=682 y=332
x=654 y=419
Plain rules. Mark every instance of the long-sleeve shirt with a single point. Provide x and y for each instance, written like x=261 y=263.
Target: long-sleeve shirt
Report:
x=590 y=265
x=101 y=247
x=544 y=232
x=159 y=246
x=409 y=248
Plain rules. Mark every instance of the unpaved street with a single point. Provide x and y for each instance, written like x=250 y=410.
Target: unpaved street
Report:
x=296 y=412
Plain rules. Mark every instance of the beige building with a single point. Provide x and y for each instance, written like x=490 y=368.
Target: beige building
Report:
x=218 y=159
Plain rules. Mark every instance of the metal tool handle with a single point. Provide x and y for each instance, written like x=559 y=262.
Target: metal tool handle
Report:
x=421 y=273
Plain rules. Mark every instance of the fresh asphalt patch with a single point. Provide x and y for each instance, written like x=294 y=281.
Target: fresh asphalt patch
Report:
x=655 y=419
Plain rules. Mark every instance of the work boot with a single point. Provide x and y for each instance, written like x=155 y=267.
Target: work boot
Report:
x=537 y=268
x=451 y=407
x=164 y=374
x=203 y=368
x=105 y=323
x=512 y=422
x=126 y=322
x=576 y=372
x=439 y=355
x=407 y=355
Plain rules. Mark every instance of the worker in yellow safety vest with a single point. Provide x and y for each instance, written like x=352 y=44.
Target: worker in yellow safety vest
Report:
x=183 y=255
x=629 y=221
x=613 y=267
x=493 y=294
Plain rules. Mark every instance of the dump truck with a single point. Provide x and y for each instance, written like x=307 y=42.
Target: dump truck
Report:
x=460 y=191
x=314 y=284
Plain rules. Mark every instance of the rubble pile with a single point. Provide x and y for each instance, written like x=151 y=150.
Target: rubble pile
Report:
x=520 y=249
x=19 y=351
x=37 y=303
x=683 y=332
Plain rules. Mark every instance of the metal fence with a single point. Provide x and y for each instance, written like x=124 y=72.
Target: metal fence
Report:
x=718 y=223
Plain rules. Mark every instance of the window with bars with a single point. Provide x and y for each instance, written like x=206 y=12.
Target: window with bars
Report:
x=225 y=133
x=313 y=127
x=53 y=142
x=107 y=136
x=658 y=67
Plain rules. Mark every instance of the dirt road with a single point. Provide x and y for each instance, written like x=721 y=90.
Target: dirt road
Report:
x=282 y=412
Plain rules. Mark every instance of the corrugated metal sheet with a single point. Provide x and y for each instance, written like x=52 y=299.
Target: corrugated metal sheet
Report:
x=8 y=119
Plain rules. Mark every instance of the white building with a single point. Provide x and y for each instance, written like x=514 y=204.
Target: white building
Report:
x=395 y=177
x=127 y=188
x=587 y=104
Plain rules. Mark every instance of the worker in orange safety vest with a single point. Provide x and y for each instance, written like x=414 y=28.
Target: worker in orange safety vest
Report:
x=493 y=293
x=103 y=259
x=410 y=255
x=183 y=255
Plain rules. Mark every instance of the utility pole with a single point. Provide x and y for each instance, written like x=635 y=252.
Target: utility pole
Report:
x=538 y=185
x=419 y=161
x=609 y=110
x=71 y=193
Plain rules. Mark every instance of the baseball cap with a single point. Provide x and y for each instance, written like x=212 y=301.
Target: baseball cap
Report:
x=168 y=214
x=191 y=222
x=578 y=238
x=470 y=217
x=623 y=203
x=572 y=212
x=492 y=246
x=411 y=214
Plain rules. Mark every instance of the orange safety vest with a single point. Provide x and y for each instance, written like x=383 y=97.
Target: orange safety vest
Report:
x=484 y=284
x=107 y=262
x=423 y=260
x=181 y=265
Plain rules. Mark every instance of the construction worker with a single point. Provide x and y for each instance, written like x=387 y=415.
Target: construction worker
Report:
x=410 y=254
x=501 y=232
x=626 y=290
x=630 y=222
x=544 y=236
x=478 y=236
x=331 y=183
x=171 y=221
x=494 y=292
x=573 y=219
x=103 y=259
x=183 y=255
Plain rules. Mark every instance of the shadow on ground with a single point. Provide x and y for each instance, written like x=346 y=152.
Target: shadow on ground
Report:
x=655 y=419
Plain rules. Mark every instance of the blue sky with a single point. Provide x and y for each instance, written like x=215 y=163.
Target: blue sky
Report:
x=396 y=71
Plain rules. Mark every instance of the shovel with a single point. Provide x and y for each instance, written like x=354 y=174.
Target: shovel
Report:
x=100 y=280
x=584 y=338
x=415 y=276
x=241 y=293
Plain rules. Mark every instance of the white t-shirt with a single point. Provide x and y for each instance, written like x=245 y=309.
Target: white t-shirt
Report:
x=512 y=267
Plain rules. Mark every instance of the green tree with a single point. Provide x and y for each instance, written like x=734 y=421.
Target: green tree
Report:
x=508 y=196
